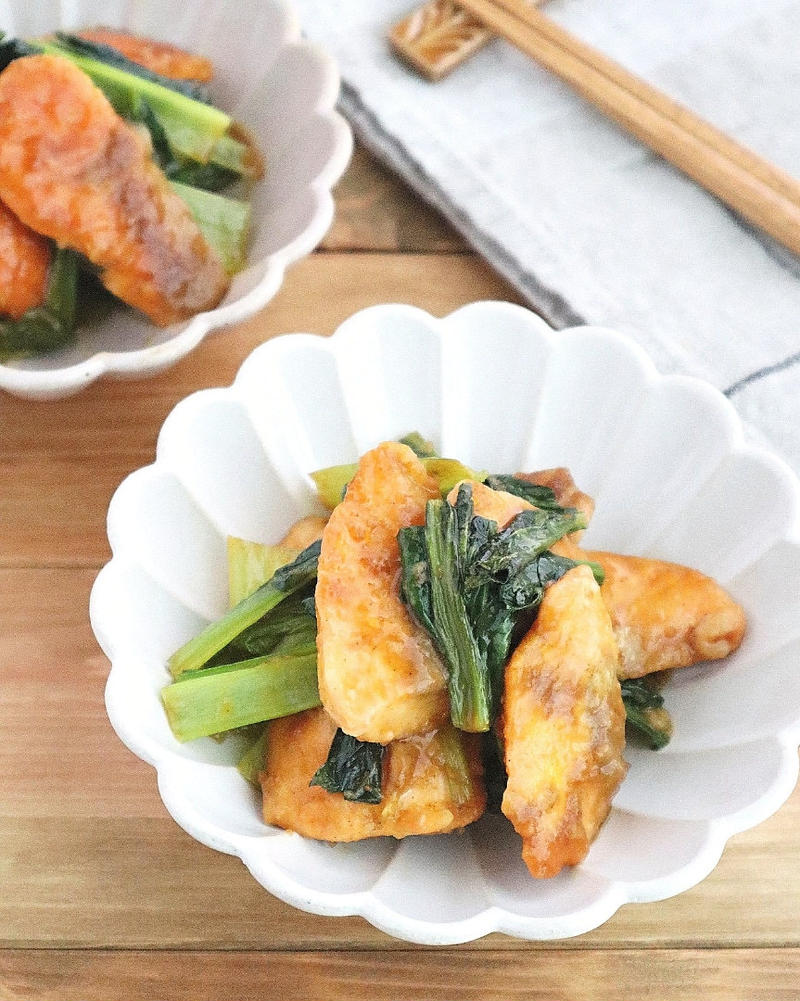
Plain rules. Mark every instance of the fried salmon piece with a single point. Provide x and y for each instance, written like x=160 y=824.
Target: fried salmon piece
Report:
x=431 y=783
x=666 y=615
x=563 y=725
x=380 y=677
x=159 y=57
x=24 y=266
x=74 y=171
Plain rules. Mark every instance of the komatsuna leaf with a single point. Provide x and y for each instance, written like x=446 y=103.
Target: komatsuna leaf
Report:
x=525 y=537
x=534 y=493
x=353 y=768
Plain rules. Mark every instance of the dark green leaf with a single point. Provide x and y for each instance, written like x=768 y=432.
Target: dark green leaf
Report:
x=353 y=768
x=494 y=771
x=419 y=446
x=645 y=712
x=525 y=589
x=51 y=325
x=14 y=48
x=203 y=648
x=468 y=679
x=287 y=628
x=525 y=537
x=415 y=583
x=535 y=494
x=640 y=693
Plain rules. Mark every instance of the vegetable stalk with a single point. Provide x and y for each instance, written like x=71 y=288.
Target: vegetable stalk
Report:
x=209 y=701
x=217 y=635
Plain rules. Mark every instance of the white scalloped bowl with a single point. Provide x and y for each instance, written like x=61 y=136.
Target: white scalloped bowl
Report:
x=493 y=385
x=284 y=91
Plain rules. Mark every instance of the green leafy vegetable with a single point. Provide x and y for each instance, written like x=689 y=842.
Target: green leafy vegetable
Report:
x=224 y=222
x=539 y=496
x=251 y=763
x=525 y=588
x=644 y=708
x=525 y=537
x=287 y=628
x=353 y=768
x=296 y=575
x=419 y=446
x=100 y=52
x=51 y=325
x=494 y=771
x=446 y=541
x=415 y=584
x=192 y=128
x=13 y=48
x=210 y=701
x=469 y=584
x=251 y=564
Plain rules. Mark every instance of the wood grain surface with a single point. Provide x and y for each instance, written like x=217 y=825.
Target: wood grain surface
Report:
x=103 y=897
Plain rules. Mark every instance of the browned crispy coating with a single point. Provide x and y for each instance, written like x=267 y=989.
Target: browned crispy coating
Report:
x=380 y=677
x=74 y=171
x=423 y=789
x=666 y=615
x=24 y=265
x=160 y=57
x=563 y=726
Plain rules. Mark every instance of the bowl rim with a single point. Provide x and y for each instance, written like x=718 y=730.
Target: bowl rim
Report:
x=56 y=383
x=492 y=918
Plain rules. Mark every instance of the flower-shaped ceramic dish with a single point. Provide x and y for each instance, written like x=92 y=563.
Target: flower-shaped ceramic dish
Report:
x=494 y=386
x=283 y=90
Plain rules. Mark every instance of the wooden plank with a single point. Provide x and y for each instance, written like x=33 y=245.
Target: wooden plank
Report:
x=546 y=975
x=60 y=461
x=89 y=857
x=375 y=211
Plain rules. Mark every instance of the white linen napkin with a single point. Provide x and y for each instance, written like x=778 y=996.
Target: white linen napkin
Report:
x=588 y=224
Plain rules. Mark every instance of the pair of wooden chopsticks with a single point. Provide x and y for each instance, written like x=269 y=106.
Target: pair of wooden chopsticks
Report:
x=762 y=193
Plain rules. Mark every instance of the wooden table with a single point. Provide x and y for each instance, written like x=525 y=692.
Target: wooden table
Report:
x=102 y=896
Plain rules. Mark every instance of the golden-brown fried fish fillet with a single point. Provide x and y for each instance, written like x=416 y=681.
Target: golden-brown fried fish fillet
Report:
x=563 y=725
x=24 y=266
x=666 y=615
x=431 y=783
x=74 y=171
x=380 y=677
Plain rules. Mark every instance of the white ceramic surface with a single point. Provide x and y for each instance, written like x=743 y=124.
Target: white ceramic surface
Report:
x=493 y=385
x=284 y=91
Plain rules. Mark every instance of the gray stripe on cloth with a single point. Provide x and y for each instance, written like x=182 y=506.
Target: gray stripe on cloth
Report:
x=553 y=307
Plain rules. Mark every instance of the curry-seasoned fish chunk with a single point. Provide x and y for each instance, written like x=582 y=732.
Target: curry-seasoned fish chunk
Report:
x=666 y=615
x=380 y=677
x=431 y=783
x=563 y=725
x=24 y=266
x=71 y=169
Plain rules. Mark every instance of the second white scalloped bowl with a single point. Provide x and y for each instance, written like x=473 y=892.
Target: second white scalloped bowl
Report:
x=284 y=91
x=495 y=387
